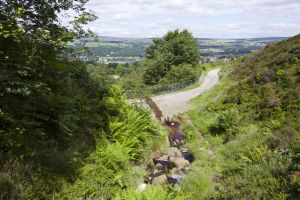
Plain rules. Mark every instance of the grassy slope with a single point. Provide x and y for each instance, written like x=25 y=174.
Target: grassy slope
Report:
x=255 y=156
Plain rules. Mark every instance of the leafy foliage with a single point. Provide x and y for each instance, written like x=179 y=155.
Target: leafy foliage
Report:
x=180 y=73
x=174 y=49
x=109 y=168
x=59 y=121
x=151 y=192
x=225 y=122
x=132 y=132
x=34 y=102
x=106 y=172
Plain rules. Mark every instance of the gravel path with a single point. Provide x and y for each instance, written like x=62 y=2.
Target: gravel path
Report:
x=175 y=103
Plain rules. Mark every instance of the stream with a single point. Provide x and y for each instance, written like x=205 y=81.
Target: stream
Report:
x=172 y=166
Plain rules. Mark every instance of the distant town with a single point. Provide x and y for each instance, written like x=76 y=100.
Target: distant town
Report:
x=129 y=50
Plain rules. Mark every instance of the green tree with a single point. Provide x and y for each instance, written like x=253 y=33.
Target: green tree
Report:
x=32 y=51
x=174 y=49
x=183 y=72
x=45 y=99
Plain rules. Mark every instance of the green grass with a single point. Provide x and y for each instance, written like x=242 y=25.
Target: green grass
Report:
x=210 y=66
x=199 y=184
x=217 y=92
x=251 y=156
x=203 y=114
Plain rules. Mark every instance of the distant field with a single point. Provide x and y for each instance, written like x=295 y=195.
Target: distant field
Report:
x=135 y=47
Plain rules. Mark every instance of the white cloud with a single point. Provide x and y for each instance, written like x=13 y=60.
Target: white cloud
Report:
x=215 y=18
x=122 y=16
x=248 y=30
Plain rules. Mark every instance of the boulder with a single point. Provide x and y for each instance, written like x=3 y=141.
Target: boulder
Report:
x=174 y=171
x=187 y=155
x=157 y=172
x=156 y=154
x=185 y=170
x=163 y=160
x=184 y=149
x=160 y=180
x=150 y=167
x=182 y=173
x=174 y=152
x=164 y=157
x=159 y=166
x=175 y=179
x=177 y=136
x=179 y=162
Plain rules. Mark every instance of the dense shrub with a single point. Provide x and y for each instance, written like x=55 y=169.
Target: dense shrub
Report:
x=180 y=73
x=132 y=132
x=225 y=122
x=106 y=172
x=109 y=169
x=151 y=192
x=175 y=49
x=261 y=175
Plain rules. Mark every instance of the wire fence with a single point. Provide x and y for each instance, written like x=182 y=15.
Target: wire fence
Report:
x=156 y=90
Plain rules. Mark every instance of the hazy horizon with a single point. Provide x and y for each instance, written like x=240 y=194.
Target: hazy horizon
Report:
x=228 y=19
x=141 y=37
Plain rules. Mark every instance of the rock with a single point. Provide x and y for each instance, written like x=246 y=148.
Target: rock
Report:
x=182 y=173
x=185 y=170
x=177 y=136
x=159 y=180
x=148 y=178
x=159 y=166
x=157 y=172
x=175 y=179
x=163 y=160
x=174 y=152
x=150 y=167
x=174 y=171
x=164 y=157
x=187 y=155
x=156 y=154
x=180 y=163
x=184 y=149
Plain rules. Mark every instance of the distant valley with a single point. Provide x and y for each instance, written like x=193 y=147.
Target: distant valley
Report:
x=129 y=50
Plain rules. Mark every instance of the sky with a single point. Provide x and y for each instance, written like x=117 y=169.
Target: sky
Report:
x=203 y=18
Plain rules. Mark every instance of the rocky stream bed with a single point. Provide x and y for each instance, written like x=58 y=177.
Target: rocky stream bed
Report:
x=172 y=166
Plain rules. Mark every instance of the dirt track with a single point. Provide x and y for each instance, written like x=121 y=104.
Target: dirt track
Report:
x=175 y=103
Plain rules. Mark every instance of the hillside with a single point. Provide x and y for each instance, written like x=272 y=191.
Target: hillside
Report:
x=68 y=131
x=250 y=122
